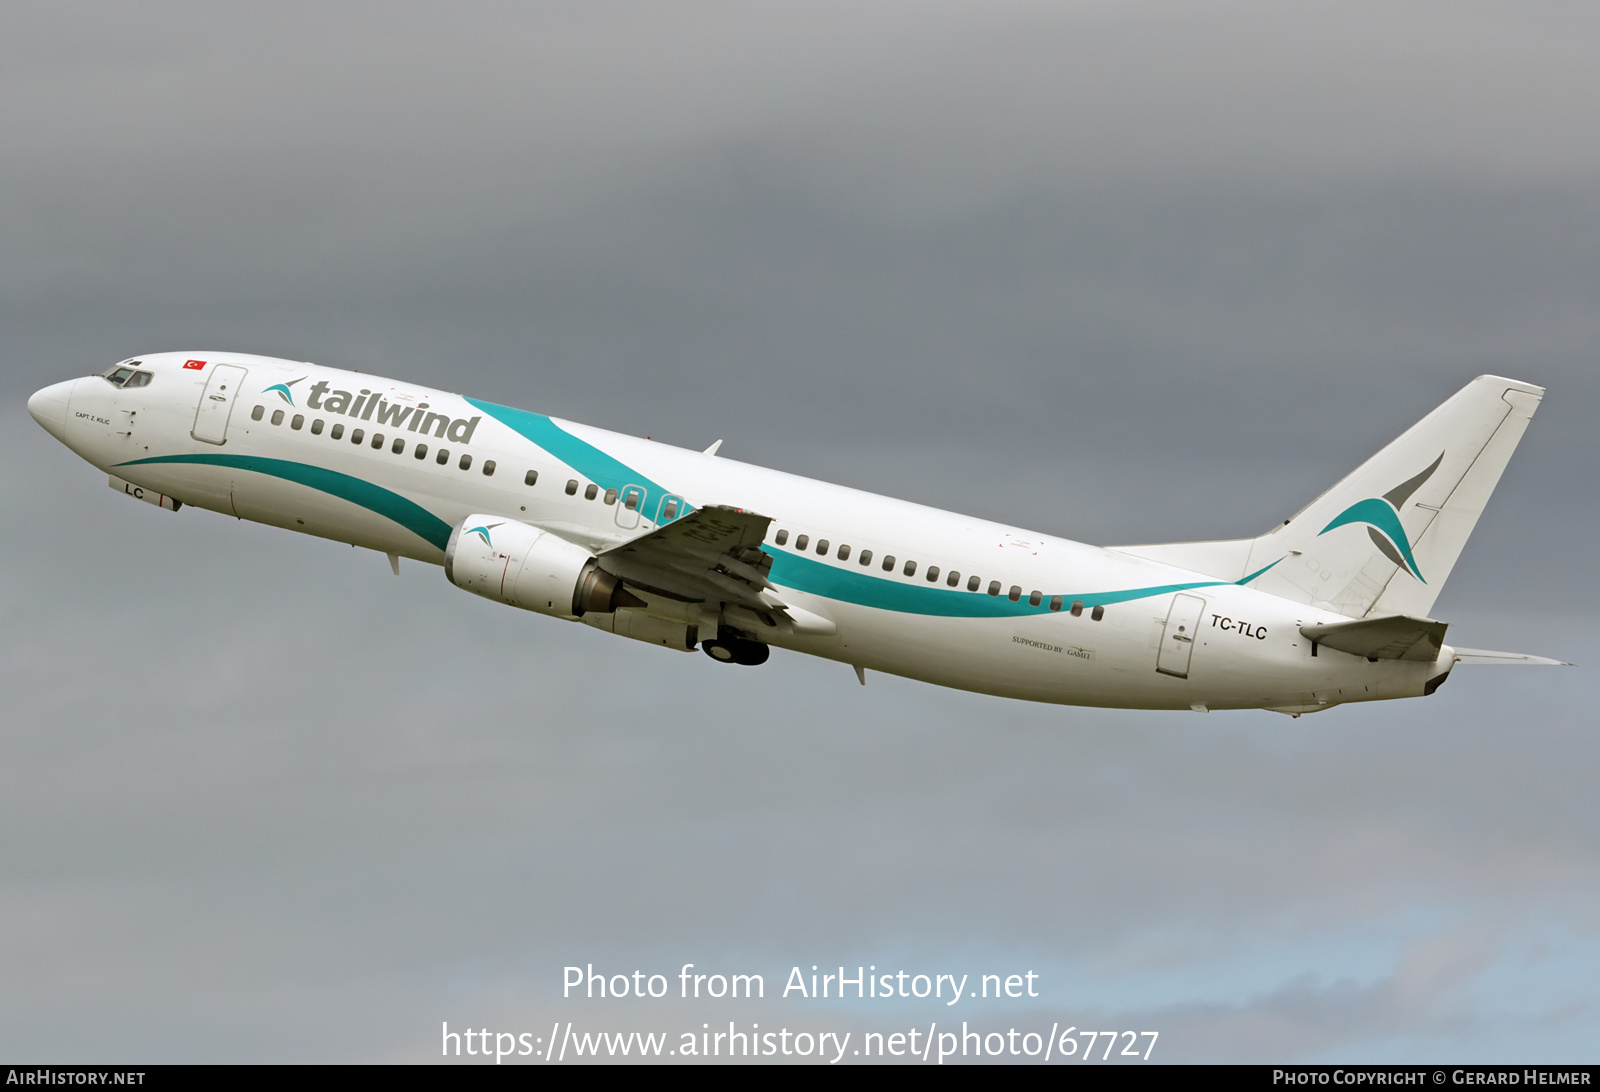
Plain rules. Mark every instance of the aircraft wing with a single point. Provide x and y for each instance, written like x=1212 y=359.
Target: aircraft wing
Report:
x=712 y=554
x=1395 y=637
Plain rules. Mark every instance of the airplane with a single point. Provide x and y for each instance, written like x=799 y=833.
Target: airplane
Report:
x=684 y=549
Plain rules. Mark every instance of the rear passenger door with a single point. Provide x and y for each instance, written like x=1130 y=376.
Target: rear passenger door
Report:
x=1178 y=636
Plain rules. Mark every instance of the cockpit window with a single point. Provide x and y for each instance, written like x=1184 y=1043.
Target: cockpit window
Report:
x=124 y=376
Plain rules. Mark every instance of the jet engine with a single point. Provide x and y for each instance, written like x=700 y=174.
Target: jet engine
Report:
x=511 y=562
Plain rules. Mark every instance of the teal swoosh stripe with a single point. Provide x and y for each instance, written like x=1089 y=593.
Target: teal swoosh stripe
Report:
x=794 y=571
x=834 y=582
x=584 y=457
x=407 y=513
x=1257 y=573
x=1380 y=514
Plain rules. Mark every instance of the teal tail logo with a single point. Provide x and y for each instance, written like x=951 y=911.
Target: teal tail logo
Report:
x=283 y=390
x=483 y=533
x=1382 y=517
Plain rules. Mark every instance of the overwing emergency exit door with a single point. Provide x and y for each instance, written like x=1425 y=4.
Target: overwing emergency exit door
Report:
x=216 y=403
x=1178 y=635
x=628 y=502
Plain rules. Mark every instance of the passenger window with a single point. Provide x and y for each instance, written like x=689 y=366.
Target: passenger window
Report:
x=822 y=546
x=1014 y=594
x=866 y=557
x=316 y=427
x=591 y=491
x=337 y=432
x=844 y=553
x=466 y=462
x=1055 y=602
x=972 y=583
x=1034 y=598
x=670 y=511
x=911 y=568
x=531 y=478
x=421 y=452
x=443 y=457
x=399 y=445
x=572 y=487
x=356 y=435
x=994 y=587
x=632 y=503
x=611 y=496
x=783 y=536
x=488 y=468
x=888 y=563
x=1098 y=613
x=377 y=441
x=299 y=420
x=801 y=542
x=953 y=579
x=277 y=417
x=1077 y=608
x=258 y=413
x=933 y=574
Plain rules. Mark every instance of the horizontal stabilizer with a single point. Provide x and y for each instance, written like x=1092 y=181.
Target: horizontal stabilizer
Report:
x=1484 y=656
x=1395 y=637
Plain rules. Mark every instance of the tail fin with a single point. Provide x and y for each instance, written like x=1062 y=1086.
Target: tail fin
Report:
x=1384 y=539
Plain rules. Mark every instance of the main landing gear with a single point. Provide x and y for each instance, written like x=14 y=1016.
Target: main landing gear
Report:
x=730 y=648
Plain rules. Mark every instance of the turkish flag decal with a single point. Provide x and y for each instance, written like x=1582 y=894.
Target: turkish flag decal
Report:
x=196 y=364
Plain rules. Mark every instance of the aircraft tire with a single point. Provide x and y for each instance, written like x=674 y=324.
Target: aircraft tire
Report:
x=736 y=650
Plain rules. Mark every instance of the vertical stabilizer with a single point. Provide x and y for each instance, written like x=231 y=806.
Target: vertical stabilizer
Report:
x=1384 y=539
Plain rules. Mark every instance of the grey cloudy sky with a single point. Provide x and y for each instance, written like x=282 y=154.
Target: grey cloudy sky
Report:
x=1119 y=271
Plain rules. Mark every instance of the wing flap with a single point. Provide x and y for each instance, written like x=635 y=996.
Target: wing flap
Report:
x=711 y=554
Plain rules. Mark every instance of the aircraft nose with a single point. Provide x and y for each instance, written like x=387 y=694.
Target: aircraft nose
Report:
x=49 y=407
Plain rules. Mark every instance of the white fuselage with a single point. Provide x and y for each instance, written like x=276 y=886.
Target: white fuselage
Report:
x=1245 y=648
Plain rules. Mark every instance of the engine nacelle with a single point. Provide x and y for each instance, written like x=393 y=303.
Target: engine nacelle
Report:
x=681 y=636
x=511 y=562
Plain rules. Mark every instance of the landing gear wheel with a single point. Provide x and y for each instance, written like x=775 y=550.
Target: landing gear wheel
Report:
x=728 y=649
